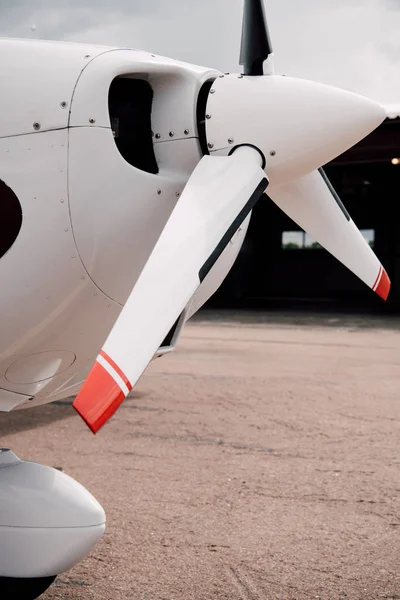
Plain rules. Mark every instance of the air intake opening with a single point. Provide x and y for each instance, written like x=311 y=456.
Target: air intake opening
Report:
x=201 y=114
x=10 y=218
x=129 y=102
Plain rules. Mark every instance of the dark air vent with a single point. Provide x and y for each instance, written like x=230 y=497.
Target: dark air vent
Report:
x=129 y=102
x=10 y=218
x=201 y=114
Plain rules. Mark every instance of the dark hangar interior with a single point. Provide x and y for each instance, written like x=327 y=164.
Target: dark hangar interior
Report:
x=280 y=266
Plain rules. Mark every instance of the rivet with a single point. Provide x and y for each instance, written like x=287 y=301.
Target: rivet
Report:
x=208 y=116
x=8 y=150
x=210 y=145
x=158 y=135
x=221 y=76
x=66 y=229
x=231 y=140
x=159 y=192
x=186 y=132
x=83 y=277
x=36 y=126
x=177 y=194
x=212 y=91
x=240 y=76
x=73 y=256
x=51 y=146
x=272 y=153
x=62 y=200
x=64 y=104
x=109 y=306
x=95 y=294
x=87 y=56
x=91 y=120
x=171 y=134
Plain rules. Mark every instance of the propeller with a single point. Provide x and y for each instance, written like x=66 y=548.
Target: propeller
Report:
x=289 y=127
x=256 y=43
x=313 y=204
x=216 y=200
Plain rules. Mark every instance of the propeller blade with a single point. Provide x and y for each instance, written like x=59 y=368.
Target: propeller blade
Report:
x=313 y=204
x=216 y=200
x=256 y=44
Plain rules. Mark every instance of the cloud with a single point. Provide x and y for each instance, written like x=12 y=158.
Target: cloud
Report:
x=349 y=43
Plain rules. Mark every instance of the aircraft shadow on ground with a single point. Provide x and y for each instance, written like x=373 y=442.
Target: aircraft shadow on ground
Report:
x=39 y=416
x=23 y=420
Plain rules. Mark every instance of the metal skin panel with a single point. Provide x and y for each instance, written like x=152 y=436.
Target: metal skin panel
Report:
x=117 y=211
x=299 y=125
x=175 y=85
x=9 y=400
x=49 y=302
x=37 y=83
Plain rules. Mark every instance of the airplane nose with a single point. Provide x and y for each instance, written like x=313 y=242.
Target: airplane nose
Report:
x=299 y=125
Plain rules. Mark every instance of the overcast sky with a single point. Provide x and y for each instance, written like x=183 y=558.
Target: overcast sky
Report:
x=353 y=44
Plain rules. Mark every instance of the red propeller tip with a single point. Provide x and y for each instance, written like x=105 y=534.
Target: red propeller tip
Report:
x=101 y=394
x=382 y=285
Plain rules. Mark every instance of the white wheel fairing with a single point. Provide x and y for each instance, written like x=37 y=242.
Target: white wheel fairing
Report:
x=48 y=521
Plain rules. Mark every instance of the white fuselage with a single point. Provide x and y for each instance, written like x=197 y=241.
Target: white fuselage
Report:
x=90 y=217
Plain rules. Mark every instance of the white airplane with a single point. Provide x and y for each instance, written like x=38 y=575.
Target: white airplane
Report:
x=127 y=184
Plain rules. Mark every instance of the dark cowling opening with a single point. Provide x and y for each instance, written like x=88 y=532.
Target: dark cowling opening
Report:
x=10 y=218
x=130 y=102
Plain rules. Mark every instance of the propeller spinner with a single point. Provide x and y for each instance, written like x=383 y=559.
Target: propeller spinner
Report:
x=260 y=130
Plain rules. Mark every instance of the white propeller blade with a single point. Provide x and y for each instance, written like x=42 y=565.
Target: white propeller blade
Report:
x=219 y=195
x=314 y=205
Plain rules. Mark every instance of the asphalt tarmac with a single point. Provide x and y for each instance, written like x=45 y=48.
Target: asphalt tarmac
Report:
x=260 y=461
